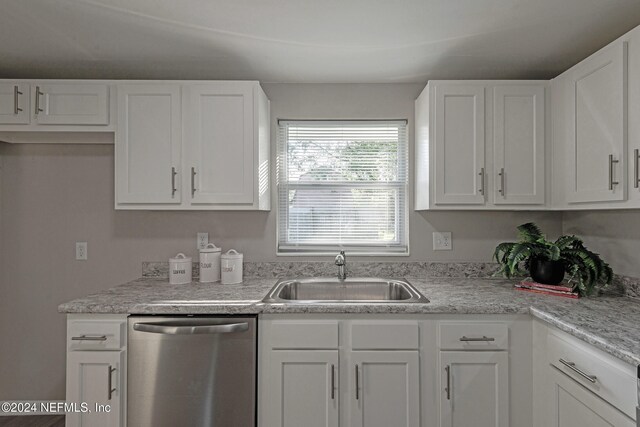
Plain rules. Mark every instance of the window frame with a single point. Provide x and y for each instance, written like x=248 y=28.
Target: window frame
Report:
x=381 y=250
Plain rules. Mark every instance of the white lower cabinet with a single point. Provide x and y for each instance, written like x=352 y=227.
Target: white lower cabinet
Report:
x=303 y=389
x=386 y=389
x=96 y=370
x=577 y=385
x=574 y=406
x=95 y=378
x=475 y=388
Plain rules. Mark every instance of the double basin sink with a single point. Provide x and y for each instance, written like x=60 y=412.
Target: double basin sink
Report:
x=350 y=290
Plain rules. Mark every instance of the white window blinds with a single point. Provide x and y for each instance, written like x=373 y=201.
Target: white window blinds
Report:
x=342 y=185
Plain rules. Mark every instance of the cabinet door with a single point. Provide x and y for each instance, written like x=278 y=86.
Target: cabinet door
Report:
x=385 y=389
x=70 y=104
x=474 y=389
x=518 y=125
x=219 y=142
x=14 y=103
x=95 y=377
x=459 y=144
x=597 y=149
x=147 y=144
x=302 y=389
x=574 y=406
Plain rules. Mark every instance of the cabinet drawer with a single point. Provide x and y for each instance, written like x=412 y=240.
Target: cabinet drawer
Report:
x=299 y=334
x=603 y=377
x=474 y=336
x=392 y=335
x=95 y=335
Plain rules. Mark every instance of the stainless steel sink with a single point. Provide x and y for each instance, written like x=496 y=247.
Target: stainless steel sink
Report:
x=349 y=290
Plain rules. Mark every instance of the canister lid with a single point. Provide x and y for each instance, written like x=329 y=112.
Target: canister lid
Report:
x=232 y=254
x=180 y=258
x=210 y=248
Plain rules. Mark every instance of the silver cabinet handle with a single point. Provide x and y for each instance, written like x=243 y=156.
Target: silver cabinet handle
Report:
x=572 y=366
x=357 y=383
x=16 y=103
x=173 y=181
x=636 y=168
x=90 y=338
x=501 y=175
x=484 y=338
x=448 y=388
x=110 y=387
x=481 y=181
x=168 y=329
x=38 y=93
x=333 y=382
x=193 y=181
x=612 y=161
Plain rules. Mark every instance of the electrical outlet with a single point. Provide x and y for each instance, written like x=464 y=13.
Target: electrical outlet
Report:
x=81 y=251
x=442 y=241
x=203 y=240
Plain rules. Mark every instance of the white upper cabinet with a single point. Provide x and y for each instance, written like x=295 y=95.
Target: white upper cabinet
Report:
x=56 y=105
x=192 y=146
x=70 y=103
x=14 y=103
x=148 y=144
x=596 y=160
x=459 y=144
x=481 y=145
x=219 y=131
x=518 y=144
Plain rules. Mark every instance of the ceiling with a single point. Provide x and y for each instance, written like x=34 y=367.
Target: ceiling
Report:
x=341 y=41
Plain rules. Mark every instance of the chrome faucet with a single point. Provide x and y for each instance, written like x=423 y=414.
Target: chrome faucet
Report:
x=341 y=262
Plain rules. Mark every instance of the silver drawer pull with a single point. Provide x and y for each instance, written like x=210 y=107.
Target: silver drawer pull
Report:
x=448 y=388
x=483 y=339
x=110 y=387
x=90 y=338
x=612 y=161
x=572 y=366
x=16 y=99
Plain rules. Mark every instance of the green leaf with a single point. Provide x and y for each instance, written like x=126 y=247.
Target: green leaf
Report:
x=529 y=232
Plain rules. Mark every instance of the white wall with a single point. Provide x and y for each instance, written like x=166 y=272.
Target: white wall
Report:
x=613 y=234
x=55 y=195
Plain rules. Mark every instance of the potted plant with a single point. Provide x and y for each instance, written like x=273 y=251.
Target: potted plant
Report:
x=548 y=261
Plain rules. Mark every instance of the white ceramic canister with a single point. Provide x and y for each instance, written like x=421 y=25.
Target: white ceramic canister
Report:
x=180 y=269
x=210 y=264
x=231 y=267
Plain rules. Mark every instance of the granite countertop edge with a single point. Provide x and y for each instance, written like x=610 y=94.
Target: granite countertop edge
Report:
x=246 y=298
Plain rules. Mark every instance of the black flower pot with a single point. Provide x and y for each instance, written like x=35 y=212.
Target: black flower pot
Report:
x=546 y=272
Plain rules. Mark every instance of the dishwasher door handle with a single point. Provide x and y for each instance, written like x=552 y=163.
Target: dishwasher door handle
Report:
x=187 y=329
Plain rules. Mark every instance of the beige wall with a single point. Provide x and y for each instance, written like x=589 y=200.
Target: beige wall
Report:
x=613 y=234
x=55 y=195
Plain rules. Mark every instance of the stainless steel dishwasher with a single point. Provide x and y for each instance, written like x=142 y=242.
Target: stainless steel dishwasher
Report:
x=191 y=371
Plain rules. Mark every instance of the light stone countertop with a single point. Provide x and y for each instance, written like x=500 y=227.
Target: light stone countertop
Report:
x=607 y=322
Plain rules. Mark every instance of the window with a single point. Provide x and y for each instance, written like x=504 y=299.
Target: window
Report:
x=342 y=184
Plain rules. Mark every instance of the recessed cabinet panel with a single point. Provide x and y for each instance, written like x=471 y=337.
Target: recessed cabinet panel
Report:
x=70 y=104
x=97 y=378
x=385 y=389
x=597 y=149
x=519 y=159
x=219 y=128
x=474 y=389
x=14 y=103
x=148 y=144
x=303 y=389
x=574 y=406
x=459 y=144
